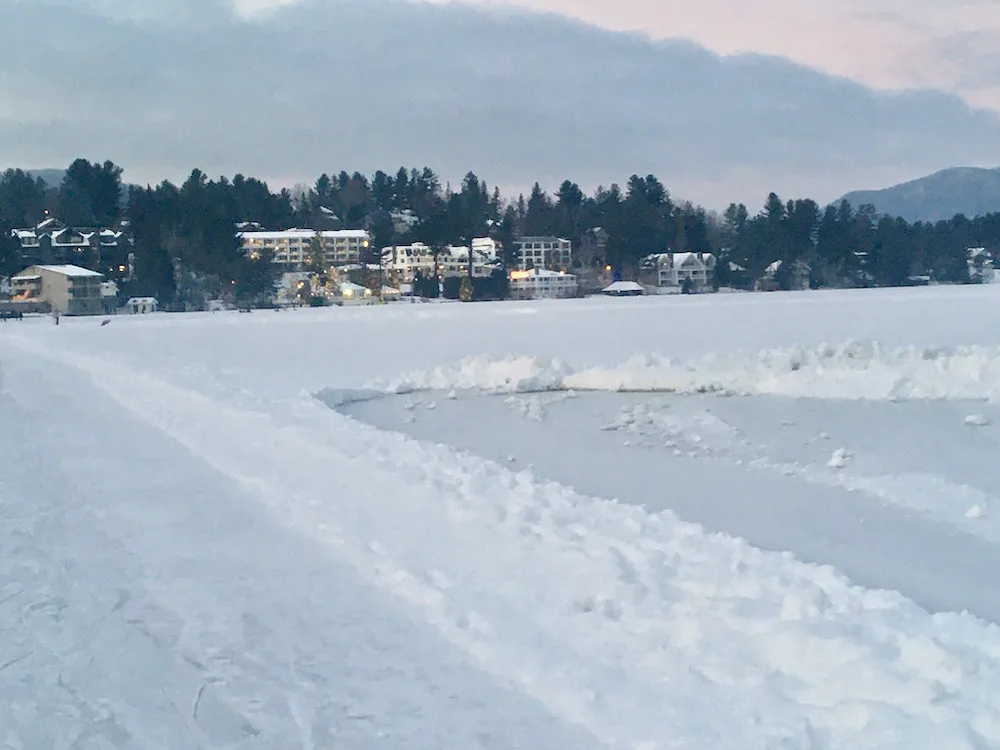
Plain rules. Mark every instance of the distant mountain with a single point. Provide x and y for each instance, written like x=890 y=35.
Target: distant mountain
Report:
x=52 y=177
x=972 y=191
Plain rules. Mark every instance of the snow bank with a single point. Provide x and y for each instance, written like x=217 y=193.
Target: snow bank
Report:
x=851 y=370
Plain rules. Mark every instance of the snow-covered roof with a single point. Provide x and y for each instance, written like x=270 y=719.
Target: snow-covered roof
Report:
x=345 y=286
x=142 y=301
x=417 y=249
x=299 y=234
x=75 y=272
x=549 y=238
x=664 y=260
x=623 y=286
x=454 y=252
x=32 y=277
x=539 y=273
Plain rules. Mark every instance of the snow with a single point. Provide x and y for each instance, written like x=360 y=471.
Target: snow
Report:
x=306 y=234
x=852 y=370
x=202 y=549
x=71 y=271
x=620 y=287
x=839 y=459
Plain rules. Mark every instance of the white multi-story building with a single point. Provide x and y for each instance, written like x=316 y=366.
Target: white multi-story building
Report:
x=551 y=253
x=671 y=270
x=294 y=248
x=406 y=261
x=539 y=283
x=454 y=260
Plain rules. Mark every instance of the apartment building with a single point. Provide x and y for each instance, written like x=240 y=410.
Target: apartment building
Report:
x=539 y=283
x=549 y=253
x=53 y=243
x=65 y=289
x=294 y=248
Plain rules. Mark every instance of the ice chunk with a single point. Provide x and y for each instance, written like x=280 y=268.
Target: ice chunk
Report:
x=839 y=459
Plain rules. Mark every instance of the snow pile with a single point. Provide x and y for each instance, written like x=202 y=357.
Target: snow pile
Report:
x=699 y=434
x=508 y=375
x=839 y=459
x=528 y=407
x=852 y=370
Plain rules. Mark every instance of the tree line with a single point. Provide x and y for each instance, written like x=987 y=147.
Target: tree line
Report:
x=185 y=245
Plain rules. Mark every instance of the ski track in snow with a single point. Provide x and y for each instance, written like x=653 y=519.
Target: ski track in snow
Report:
x=634 y=627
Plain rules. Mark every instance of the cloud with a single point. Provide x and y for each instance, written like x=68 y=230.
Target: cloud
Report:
x=365 y=84
x=883 y=43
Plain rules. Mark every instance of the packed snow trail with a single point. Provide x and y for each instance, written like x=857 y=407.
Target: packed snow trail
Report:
x=148 y=601
x=642 y=631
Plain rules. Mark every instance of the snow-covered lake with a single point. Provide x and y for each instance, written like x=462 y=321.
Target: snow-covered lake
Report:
x=750 y=521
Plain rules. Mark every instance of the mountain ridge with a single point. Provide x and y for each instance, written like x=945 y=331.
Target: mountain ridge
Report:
x=971 y=191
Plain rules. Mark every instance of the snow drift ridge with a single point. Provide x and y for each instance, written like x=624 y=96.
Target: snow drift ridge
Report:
x=856 y=370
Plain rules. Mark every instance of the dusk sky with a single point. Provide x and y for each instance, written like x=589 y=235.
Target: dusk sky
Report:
x=516 y=90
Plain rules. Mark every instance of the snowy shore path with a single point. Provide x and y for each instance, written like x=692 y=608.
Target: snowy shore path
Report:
x=148 y=601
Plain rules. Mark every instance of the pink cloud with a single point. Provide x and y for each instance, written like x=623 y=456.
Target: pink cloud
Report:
x=886 y=44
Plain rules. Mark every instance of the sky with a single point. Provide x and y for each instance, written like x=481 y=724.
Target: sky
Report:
x=953 y=46
x=837 y=96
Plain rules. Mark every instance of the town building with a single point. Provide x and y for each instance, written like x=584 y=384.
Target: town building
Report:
x=404 y=221
x=109 y=296
x=623 y=289
x=65 y=289
x=403 y=262
x=669 y=273
x=348 y=294
x=295 y=248
x=550 y=253
x=53 y=243
x=454 y=260
x=539 y=283
x=141 y=305
x=796 y=277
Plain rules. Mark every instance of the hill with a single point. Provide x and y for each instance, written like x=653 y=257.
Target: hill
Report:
x=972 y=191
x=52 y=177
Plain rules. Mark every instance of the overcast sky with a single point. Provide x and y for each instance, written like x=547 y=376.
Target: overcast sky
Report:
x=285 y=93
